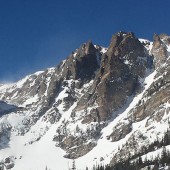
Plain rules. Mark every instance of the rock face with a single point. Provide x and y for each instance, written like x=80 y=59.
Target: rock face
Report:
x=97 y=95
x=159 y=49
x=124 y=63
x=82 y=64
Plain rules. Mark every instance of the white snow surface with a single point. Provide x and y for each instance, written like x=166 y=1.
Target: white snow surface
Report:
x=36 y=149
x=33 y=154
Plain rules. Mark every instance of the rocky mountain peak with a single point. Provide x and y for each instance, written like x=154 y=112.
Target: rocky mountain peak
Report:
x=117 y=40
x=126 y=48
x=156 y=41
x=89 y=48
x=159 y=49
x=97 y=97
x=86 y=49
x=83 y=63
x=121 y=66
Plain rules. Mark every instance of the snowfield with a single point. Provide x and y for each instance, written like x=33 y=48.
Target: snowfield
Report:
x=28 y=140
x=43 y=152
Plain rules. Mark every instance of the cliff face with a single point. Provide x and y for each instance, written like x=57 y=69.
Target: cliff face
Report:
x=121 y=67
x=97 y=97
x=159 y=49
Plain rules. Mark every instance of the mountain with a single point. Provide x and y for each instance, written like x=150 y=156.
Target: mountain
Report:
x=99 y=106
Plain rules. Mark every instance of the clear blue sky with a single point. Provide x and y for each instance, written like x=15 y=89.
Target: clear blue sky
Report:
x=36 y=34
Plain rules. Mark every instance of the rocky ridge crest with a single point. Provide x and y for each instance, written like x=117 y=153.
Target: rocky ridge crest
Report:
x=90 y=88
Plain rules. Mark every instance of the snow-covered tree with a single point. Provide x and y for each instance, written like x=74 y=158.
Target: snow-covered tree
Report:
x=73 y=165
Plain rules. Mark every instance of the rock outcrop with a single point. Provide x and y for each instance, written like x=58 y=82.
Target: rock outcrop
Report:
x=116 y=95
x=159 y=49
x=121 y=67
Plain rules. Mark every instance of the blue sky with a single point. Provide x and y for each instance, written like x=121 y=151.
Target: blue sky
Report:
x=36 y=34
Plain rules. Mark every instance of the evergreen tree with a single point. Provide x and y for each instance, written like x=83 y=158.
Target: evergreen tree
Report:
x=74 y=165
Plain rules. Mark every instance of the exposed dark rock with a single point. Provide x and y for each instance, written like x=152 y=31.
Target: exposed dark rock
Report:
x=120 y=131
x=121 y=66
x=53 y=117
x=159 y=49
x=83 y=64
x=9 y=166
x=79 y=151
x=100 y=84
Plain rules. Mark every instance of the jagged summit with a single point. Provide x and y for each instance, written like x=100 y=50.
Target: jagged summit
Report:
x=160 y=48
x=83 y=63
x=99 y=105
x=89 y=48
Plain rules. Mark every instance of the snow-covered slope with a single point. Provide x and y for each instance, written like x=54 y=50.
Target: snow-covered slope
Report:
x=43 y=152
x=98 y=106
